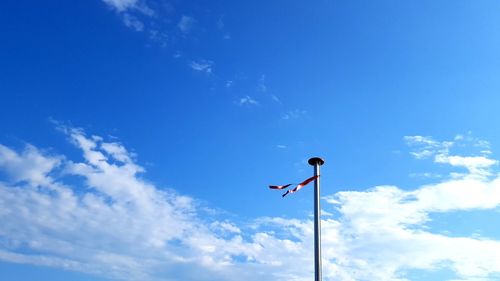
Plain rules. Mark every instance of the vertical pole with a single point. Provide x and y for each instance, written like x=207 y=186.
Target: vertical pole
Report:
x=316 y=162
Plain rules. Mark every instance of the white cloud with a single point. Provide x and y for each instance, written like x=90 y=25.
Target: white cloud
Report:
x=202 y=65
x=416 y=140
x=225 y=227
x=422 y=154
x=247 y=100
x=100 y=216
x=122 y=5
x=186 y=23
x=115 y=224
x=294 y=114
x=275 y=98
x=424 y=175
x=261 y=86
x=426 y=147
x=133 y=22
x=130 y=11
x=384 y=230
x=29 y=166
x=177 y=55
x=477 y=165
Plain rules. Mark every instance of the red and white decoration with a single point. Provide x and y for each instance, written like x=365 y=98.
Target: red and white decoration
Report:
x=297 y=188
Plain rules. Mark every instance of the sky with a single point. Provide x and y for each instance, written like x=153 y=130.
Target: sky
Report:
x=138 y=139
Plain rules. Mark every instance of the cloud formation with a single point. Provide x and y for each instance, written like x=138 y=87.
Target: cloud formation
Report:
x=294 y=114
x=132 y=22
x=247 y=100
x=262 y=86
x=186 y=23
x=100 y=216
x=202 y=66
x=477 y=165
x=138 y=16
x=122 y=5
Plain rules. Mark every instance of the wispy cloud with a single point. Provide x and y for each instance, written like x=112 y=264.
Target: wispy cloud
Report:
x=177 y=55
x=294 y=114
x=159 y=20
x=425 y=175
x=133 y=22
x=113 y=223
x=276 y=99
x=100 y=216
x=129 y=11
x=425 y=147
x=440 y=151
x=247 y=100
x=30 y=166
x=261 y=86
x=186 y=23
x=221 y=27
x=160 y=37
x=202 y=65
x=122 y=5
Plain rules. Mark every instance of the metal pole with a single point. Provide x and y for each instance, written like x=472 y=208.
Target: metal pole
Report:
x=316 y=162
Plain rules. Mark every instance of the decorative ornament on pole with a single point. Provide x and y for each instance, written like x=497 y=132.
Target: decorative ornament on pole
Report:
x=317 y=162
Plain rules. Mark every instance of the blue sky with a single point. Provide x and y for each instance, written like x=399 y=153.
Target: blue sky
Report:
x=138 y=137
